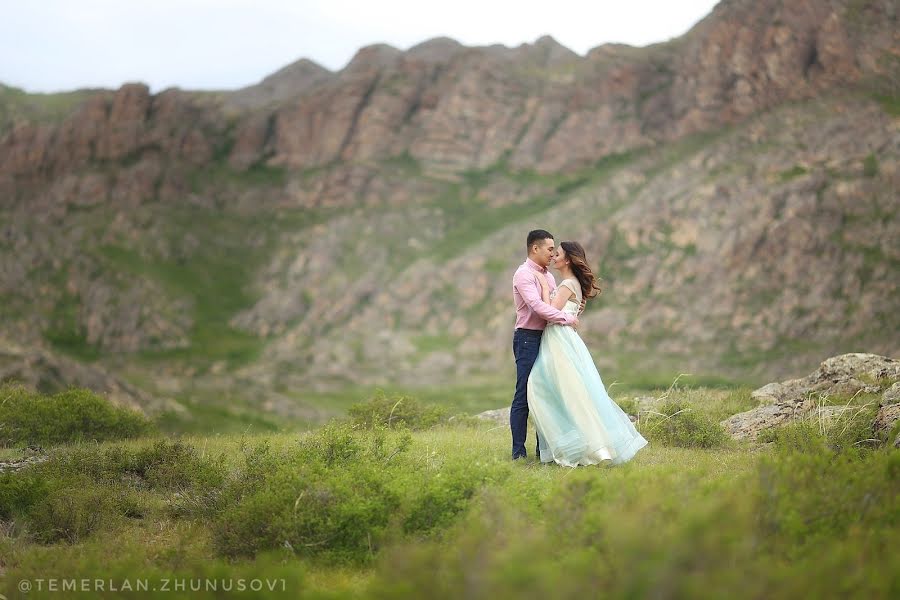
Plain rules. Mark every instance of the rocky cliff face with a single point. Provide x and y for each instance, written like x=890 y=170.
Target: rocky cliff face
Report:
x=540 y=106
x=737 y=186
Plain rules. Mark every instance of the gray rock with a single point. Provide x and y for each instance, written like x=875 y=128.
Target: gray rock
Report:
x=891 y=395
x=747 y=425
x=854 y=364
x=500 y=416
x=885 y=420
x=16 y=464
x=773 y=393
x=843 y=375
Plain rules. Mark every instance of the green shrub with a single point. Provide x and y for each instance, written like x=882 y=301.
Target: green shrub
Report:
x=438 y=500
x=343 y=494
x=64 y=508
x=73 y=415
x=333 y=497
x=807 y=499
x=80 y=490
x=19 y=492
x=164 y=465
x=334 y=444
x=339 y=513
x=208 y=502
x=76 y=509
x=174 y=465
x=795 y=171
x=677 y=424
x=396 y=411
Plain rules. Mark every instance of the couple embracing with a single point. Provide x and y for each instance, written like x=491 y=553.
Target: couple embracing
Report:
x=576 y=421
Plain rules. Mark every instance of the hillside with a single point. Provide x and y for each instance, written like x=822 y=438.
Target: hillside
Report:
x=736 y=187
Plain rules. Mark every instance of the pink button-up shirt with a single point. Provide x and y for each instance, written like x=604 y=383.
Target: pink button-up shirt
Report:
x=531 y=311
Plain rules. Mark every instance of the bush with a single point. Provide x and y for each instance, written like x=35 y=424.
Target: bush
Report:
x=807 y=499
x=440 y=498
x=19 y=492
x=76 y=509
x=73 y=415
x=176 y=465
x=396 y=411
x=344 y=494
x=79 y=491
x=64 y=508
x=677 y=424
x=164 y=465
x=340 y=513
x=333 y=497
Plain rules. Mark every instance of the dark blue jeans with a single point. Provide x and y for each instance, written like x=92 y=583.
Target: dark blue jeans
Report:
x=526 y=343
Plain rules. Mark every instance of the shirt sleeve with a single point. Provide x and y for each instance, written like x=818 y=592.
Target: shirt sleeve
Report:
x=530 y=291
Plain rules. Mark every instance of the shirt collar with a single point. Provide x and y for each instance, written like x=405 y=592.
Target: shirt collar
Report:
x=534 y=266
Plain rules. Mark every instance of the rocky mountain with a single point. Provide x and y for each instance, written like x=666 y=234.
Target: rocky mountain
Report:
x=737 y=189
x=287 y=83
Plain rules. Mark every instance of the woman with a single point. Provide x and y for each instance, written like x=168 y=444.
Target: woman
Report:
x=576 y=420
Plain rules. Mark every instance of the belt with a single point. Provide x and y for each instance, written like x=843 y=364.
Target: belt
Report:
x=530 y=331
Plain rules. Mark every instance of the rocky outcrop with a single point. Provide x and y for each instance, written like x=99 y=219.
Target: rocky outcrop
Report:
x=539 y=106
x=545 y=108
x=283 y=85
x=891 y=395
x=885 y=420
x=122 y=126
x=888 y=415
x=842 y=376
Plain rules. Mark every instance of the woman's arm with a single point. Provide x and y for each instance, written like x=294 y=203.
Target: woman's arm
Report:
x=563 y=293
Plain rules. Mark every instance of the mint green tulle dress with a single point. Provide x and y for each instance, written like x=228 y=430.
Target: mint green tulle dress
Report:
x=576 y=420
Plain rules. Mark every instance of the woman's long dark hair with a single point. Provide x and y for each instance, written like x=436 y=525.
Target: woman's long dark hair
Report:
x=581 y=270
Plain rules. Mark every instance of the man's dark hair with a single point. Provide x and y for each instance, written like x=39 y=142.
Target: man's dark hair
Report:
x=536 y=236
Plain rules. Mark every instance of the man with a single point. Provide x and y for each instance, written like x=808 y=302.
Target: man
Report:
x=532 y=315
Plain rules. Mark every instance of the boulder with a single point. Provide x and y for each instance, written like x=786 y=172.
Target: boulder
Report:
x=884 y=422
x=844 y=375
x=500 y=416
x=891 y=395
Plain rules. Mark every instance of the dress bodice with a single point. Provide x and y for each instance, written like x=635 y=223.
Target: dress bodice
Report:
x=574 y=303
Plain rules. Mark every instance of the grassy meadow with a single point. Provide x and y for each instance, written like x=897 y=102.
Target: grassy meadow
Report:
x=402 y=498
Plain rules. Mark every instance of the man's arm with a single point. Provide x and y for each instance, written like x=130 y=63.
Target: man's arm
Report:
x=528 y=289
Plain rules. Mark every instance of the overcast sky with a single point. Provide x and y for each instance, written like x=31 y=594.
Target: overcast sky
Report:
x=55 y=45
